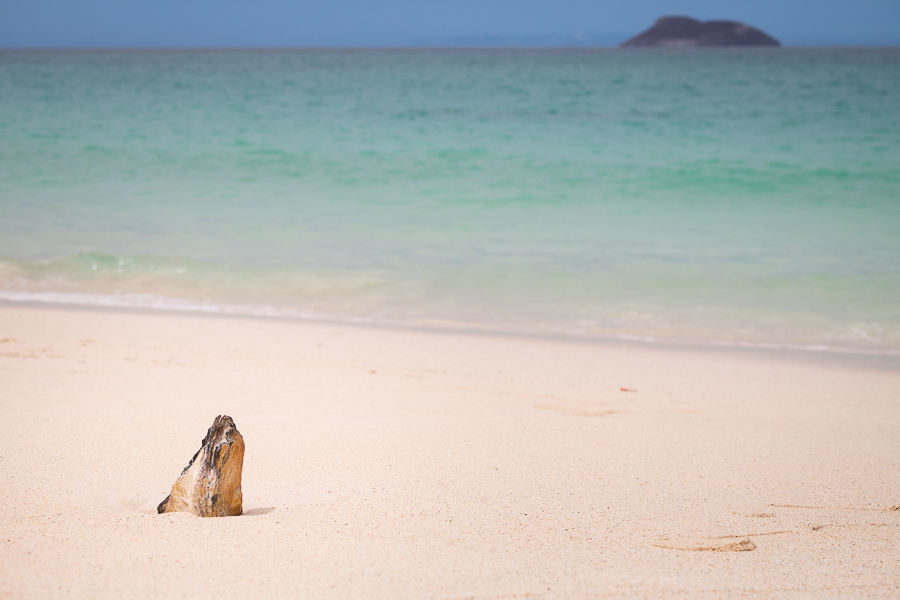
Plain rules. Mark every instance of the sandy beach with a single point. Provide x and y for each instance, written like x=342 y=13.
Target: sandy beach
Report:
x=402 y=464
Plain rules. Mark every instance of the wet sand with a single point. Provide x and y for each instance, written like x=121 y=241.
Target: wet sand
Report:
x=400 y=464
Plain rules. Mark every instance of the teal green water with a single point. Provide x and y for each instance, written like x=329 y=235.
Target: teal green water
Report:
x=745 y=197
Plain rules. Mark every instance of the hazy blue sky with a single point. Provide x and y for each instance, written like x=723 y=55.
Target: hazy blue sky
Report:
x=98 y=23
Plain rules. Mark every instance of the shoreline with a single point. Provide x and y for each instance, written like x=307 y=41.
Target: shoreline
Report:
x=882 y=361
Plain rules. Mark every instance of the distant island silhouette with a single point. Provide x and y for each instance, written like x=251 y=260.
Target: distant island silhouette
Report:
x=678 y=32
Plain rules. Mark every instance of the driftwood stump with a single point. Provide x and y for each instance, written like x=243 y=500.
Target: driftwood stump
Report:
x=210 y=485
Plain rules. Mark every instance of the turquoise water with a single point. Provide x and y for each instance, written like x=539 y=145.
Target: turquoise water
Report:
x=747 y=197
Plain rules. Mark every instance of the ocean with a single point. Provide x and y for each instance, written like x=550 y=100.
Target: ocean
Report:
x=716 y=197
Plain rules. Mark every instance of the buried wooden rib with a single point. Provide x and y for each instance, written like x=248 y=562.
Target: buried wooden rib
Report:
x=745 y=545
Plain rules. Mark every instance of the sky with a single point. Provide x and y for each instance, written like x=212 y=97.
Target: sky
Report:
x=379 y=23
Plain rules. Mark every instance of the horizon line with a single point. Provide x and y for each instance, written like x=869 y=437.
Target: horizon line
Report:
x=428 y=47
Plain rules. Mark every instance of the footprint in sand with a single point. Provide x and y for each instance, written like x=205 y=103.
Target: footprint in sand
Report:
x=746 y=544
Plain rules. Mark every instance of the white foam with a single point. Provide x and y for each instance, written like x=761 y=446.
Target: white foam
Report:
x=154 y=302
x=165 y=303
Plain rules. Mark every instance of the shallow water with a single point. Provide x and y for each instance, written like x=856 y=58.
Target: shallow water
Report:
x=747 y=197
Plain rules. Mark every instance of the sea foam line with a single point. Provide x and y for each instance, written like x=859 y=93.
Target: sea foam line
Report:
x=151 y=301
x=166 y=303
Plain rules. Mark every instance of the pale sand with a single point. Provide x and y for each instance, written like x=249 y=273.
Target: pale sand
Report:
x=396 y=464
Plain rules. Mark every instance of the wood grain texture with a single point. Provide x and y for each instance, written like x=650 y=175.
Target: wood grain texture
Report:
x=210 y=485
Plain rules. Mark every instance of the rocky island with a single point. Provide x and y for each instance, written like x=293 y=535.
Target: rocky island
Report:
x=678 y=32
